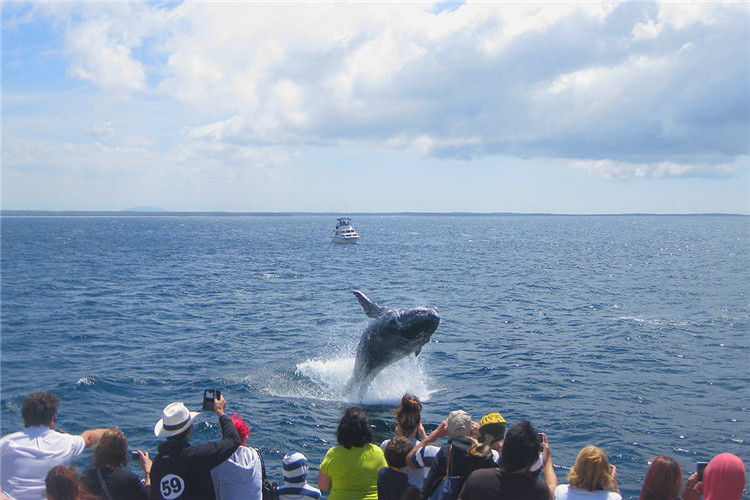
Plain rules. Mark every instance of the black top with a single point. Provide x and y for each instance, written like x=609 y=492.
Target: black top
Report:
x=122 y=484
x=184 y=471
x=391 y=483
x=499 y=485
x=463 y=464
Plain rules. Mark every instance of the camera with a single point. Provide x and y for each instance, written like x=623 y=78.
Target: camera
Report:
x=209 y=395
x=541 y=437
x=699 y=469
x=134 y=455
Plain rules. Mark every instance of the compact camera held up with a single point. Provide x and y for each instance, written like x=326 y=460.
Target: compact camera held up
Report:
x=209 y=395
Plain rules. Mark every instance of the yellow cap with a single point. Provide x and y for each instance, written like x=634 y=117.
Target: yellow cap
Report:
x=491 y=418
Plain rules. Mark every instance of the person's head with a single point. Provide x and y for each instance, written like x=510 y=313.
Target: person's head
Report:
x=490 y=435
x=591 y=471
x=39 y=408
x=459 y=424
x=354 y=428
x=112 y=450
x=242 y=428
x=62 y=483
x=409 y=414
x=295 y=468
x=492 y=428
x=176 y=422
x=724 y=478
x=411 y=493
x=396 y=451
x=521 y=447
x=663 y=480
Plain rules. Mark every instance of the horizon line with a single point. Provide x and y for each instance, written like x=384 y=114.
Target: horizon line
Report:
x=223 y=213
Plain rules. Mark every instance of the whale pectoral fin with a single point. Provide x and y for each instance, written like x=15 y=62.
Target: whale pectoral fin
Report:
x=372 y=310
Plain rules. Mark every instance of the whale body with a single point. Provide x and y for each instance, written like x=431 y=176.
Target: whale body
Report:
x=393 y=335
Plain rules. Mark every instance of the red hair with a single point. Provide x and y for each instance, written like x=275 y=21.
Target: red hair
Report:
x=241 y=426
x=663 y=480
x=62 y=483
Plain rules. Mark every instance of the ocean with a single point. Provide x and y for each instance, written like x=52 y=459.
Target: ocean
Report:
x=626 y=332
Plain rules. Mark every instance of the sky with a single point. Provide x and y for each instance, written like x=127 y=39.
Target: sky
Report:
x=555 y=107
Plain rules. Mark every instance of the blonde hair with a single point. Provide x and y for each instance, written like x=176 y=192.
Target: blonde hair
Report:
x=591 y=471
x=481 y=448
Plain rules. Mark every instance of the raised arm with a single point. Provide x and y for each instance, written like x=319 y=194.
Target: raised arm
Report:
x=91 y=437
x=550 y=476
x=693 y=488
x=615 y=488
x=440 y=431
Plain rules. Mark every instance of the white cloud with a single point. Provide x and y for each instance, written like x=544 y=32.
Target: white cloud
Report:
x=647 y=30
x=615 y=170
x=102 y=132
x=104 y=62
x=101 y=40
x=661 y=87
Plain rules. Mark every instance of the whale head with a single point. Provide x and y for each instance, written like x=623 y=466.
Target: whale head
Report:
x=414 y=325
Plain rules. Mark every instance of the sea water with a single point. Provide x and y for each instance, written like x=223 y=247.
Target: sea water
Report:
x=626 y=332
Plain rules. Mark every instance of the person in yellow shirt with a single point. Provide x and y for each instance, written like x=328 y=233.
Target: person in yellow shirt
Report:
x=349 y=471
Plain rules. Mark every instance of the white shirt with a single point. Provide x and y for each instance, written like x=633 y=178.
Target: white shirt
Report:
x=567 y=492
x=239 y=477
x=27 y=456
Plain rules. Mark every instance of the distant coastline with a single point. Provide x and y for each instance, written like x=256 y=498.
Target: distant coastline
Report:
x=166 y=213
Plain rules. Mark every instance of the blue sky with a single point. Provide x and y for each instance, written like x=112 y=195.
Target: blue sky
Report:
x=379 y=107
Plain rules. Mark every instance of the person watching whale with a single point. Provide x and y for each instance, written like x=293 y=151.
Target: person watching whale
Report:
x=350 y=470
x=184 y=471
x=109 y=478
x=455 y=457
x=27 y=456
x=408 y=416
x=514 y=478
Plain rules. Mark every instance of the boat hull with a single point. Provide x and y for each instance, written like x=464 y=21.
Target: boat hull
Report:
x=345 y=240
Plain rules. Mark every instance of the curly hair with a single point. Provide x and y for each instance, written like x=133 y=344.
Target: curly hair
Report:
x=354 y=428
x=663 y=480
x=408 y=414
x=591 y=471
x=39 y=408
x=521 y=447
x=396 y=451
x=112 y=450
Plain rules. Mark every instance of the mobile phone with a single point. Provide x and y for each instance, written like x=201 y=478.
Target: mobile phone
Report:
x=541 y=437
x=209 y=395
x=135 y=455
x=699 y=467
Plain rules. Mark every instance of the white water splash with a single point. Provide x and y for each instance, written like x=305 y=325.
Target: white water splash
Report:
x=86 y=381
x=331 y=378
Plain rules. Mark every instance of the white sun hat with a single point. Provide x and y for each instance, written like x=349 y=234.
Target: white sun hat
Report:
x=176 y=418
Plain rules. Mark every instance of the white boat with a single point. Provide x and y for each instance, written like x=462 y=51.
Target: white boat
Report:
x=344 y=232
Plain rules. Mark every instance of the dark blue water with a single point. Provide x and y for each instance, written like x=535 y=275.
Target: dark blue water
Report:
x=627 y=332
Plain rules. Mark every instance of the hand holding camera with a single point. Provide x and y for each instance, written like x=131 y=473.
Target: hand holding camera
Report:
x=209 y=396
x=142 y=458
x=700 y=467
x=213 y=400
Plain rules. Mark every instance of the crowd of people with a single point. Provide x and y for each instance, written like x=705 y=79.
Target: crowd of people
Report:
x=460 y=459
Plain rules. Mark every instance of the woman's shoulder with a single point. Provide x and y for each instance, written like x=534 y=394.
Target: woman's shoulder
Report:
x=373 y=447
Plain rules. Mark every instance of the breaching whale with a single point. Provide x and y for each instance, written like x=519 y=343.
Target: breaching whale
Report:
x=393 y=335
